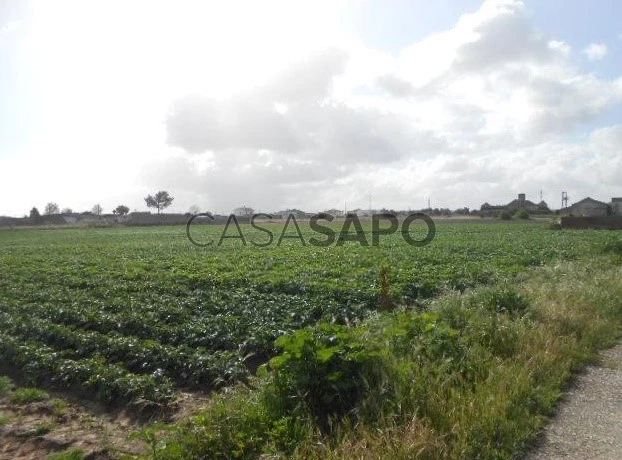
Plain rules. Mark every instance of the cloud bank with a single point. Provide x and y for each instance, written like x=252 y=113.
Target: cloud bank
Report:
x=485 y=110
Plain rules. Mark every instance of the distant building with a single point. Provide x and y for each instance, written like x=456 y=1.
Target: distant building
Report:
x=297 y=213
x=519 y=203
x=591 y=213
x=487 y=207
x=244 y=212
x=364 y=212
x=588 y=207
x=334 y=212
x=616 y=206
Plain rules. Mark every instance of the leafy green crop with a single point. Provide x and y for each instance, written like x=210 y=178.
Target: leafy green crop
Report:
x=130 y=314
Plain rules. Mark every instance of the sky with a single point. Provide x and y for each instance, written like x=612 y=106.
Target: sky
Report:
x=308 y=105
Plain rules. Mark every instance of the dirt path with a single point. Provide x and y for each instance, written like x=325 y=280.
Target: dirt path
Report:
x=588 y=424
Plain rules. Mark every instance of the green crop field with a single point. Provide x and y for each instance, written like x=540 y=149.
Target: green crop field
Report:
x=132 y=314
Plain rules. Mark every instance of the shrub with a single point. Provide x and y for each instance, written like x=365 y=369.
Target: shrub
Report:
x=521 y=214
x=325 y=370
x=505 y=215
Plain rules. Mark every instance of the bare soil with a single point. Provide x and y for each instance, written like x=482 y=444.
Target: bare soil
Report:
x=65 y=421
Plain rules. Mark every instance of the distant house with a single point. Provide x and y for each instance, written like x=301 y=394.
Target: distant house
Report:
x=487 y=207
x=364 y=212
x=591 y=213
x=244 y=212
x=297 y=213
x=334 y=212
x=589 y=207
x=519 y=203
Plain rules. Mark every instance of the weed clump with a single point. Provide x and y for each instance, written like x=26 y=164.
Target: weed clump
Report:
x=28 y=395
x=5 y=385
x=386 y=303
x=503 y=300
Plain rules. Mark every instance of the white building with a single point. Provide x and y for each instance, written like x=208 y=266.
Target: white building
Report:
x=244 y=211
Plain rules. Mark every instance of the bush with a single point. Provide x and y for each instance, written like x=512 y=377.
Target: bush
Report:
x=505 y=215
x=325 y=370
x=521 y=214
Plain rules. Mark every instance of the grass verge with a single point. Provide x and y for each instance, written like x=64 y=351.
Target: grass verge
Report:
x=474 y=376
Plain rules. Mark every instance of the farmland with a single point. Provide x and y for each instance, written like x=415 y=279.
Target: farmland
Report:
x=133 y=315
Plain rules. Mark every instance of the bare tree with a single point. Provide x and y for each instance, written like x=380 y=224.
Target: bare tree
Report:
x=159 y=201
x=97 y=210
x=51 y=208
x=194 y=209
x=67 y=211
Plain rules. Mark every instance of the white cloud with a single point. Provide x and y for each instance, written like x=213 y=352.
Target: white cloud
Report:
x=561 y=47
x=595 y=51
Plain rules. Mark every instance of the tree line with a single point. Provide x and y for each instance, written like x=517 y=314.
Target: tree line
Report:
x=160 y=201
